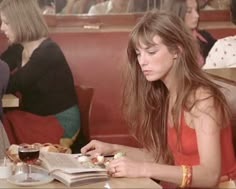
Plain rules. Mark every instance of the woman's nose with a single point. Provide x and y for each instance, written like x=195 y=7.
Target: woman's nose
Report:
x=2 y=27
x=142 y=60
x=196 y=14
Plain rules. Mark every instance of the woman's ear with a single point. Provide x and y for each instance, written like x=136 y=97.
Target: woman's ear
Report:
x=177 y=52
x=175 y=55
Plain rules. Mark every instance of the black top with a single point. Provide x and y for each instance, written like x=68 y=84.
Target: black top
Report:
x=206 y=46
x=45 y=82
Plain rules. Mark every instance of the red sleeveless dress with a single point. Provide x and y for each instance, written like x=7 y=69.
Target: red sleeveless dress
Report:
x=187 y=152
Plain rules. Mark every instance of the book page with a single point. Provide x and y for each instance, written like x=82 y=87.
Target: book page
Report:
x=78 y=179
x=67 y=163
x=68 y=170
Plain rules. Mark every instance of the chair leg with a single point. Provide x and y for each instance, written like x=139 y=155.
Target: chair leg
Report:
x=79 y=142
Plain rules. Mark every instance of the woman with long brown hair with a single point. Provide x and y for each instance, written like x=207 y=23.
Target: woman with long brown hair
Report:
x=176 y=113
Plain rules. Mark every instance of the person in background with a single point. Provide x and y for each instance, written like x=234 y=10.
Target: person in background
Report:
x=217 y=4
x=203 y=4
x=40 y=74
x=60 y=5
x=74 y=6
x=108 y=7
x=78 y=6
x=177 y=114
x=52 y=6
x=222 y=54
x=143 y=5
x=188 y=10
x=233 y=11
x=47 y=6
x=4 y=77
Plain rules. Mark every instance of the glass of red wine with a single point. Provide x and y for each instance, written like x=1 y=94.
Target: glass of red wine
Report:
x=29 y=154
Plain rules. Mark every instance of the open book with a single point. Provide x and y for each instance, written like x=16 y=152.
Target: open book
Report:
x=68 y=170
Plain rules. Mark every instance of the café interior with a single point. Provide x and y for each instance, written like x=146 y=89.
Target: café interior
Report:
x=95 y=48
x=99 y=41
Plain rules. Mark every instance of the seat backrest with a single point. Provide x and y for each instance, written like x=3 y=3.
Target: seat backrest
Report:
x=84 y=99
x=84 y=95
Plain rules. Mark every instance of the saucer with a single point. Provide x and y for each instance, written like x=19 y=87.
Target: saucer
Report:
x=40 y=178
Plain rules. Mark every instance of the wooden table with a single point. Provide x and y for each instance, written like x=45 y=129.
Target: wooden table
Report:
x=10 y=100
x=229 y=184
x=112 y=183
x=225 y=73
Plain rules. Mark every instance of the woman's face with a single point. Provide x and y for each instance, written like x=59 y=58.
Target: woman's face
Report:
x=155 y=61
x=6 y=28
x=191 y=16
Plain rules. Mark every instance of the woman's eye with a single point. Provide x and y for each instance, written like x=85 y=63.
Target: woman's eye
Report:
x=6 y=23
x=151 y=52
x=189 y=11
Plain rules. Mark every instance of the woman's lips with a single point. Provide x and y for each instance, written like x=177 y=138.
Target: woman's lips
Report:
x=146 y=72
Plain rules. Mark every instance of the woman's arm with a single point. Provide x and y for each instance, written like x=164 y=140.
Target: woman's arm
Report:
x=138 y=154
x=205 y=119
x=97 y=147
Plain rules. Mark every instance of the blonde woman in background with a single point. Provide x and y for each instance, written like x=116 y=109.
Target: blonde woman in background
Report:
x=40 y=73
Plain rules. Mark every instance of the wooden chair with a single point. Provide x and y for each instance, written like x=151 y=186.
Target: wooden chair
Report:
x=84 y=98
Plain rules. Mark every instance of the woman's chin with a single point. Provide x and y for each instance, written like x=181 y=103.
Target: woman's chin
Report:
x=151 y=79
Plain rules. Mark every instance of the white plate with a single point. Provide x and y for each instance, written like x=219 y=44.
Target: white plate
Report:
x=40 y=177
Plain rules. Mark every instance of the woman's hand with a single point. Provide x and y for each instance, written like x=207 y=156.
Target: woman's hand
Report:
x=96 y=147
x=125 y=167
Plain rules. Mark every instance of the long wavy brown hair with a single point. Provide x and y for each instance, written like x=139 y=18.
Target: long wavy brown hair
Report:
x=145 y=104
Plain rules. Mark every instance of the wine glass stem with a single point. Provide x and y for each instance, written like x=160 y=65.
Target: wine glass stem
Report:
x=28 y=172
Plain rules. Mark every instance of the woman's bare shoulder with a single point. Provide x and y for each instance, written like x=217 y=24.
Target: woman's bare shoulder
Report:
x=202 y=102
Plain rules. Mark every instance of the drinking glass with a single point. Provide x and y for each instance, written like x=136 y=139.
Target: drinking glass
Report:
x=29 y=154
